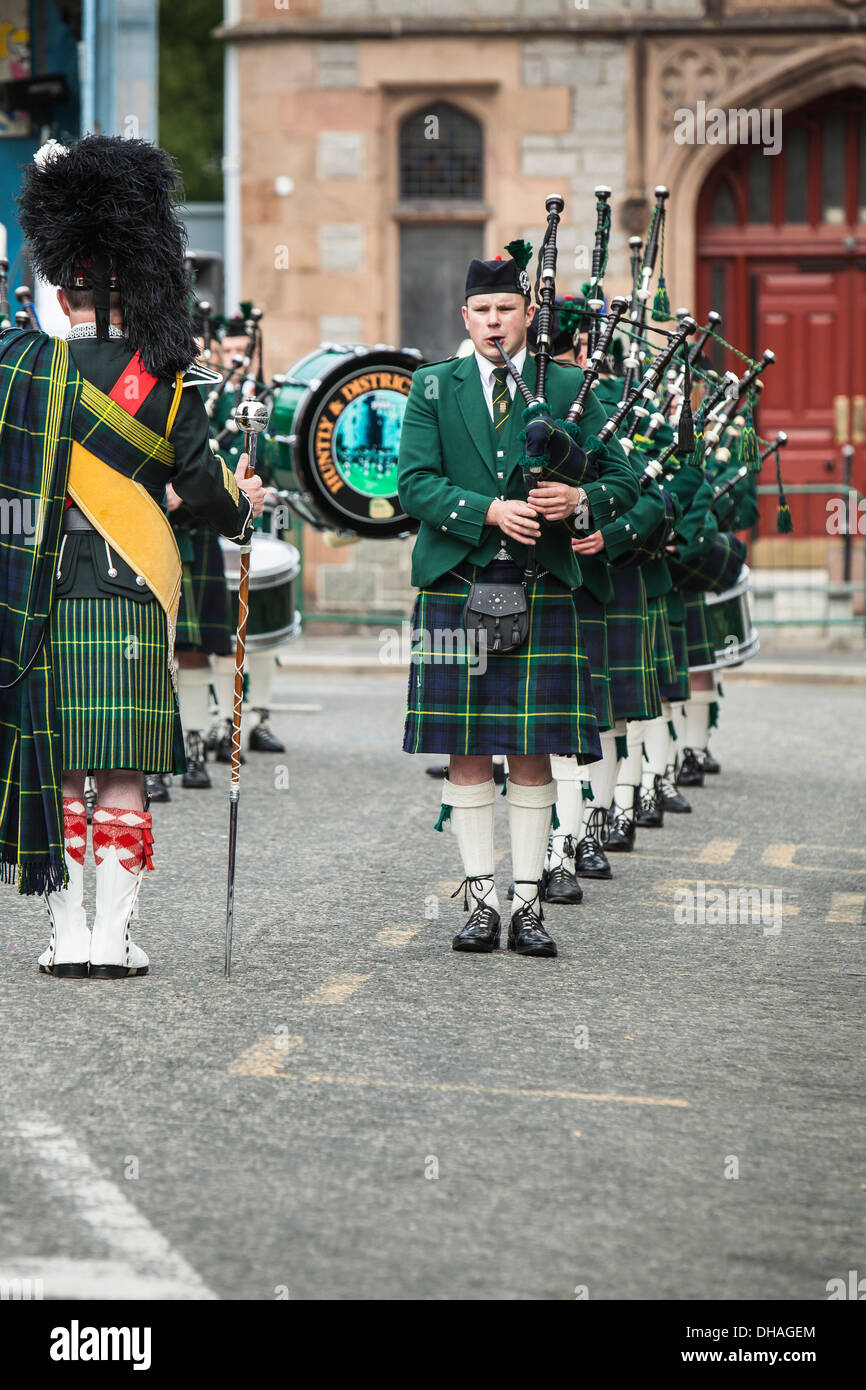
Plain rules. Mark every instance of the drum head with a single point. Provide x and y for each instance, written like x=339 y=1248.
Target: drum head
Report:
x=346 y=439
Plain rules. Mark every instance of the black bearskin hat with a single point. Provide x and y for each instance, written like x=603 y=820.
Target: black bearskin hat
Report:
x=109 y=200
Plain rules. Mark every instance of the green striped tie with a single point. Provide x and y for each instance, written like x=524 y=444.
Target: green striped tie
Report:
x=501 y=397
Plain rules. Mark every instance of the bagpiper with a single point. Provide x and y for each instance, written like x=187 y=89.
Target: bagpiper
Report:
x=460 y=474
x=93 y=429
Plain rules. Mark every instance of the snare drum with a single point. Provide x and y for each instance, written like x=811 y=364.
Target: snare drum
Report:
x=334 y=437
x=729 y=619
x=274 y=569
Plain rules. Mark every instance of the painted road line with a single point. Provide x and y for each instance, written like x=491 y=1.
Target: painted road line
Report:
x=337 y=989
x=718 y=851
x=50 y=1278
x=326 y=1079
x=68 y=1174
x=265 y=1058
x=782 y=857
x=846 y=908
x=396 y=936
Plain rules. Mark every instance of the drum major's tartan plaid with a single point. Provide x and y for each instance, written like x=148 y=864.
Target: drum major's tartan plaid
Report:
x=633 y=679
x=677 y=688
x=203 y=622
x=537 y=699
x=701 y=651
x=594 y=636
x=114 y=699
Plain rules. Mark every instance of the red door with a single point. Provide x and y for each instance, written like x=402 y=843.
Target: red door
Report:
x=809 y=319
x=782 y=255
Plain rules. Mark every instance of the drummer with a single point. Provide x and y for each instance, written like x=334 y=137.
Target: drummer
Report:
x=260 y=667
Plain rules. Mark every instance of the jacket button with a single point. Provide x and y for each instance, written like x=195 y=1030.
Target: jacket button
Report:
x=140 y=580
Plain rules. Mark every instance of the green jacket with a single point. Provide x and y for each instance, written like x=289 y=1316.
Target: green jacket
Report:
x=449 y=470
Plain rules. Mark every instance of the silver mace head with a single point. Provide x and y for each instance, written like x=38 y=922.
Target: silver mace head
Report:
x=252 y=416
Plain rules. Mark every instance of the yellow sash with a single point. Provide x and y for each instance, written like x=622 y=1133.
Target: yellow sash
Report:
x=128 y=518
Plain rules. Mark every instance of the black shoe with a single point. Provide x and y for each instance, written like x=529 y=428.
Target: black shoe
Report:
x=562 y=887
x=74 y=970
x=620 y=834
x=438 y=770
x=649 y=811
x=671 y=798
x=709 y=764
x=262 y=739
x=196 y=776
x=590 y=860
x=224 y=746
x=211 y=740
x=526 y=934
x=482 y=930
x=156 y=788
x=691 y=773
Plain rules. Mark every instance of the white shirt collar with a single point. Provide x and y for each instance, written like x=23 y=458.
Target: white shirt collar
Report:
x=487 y=368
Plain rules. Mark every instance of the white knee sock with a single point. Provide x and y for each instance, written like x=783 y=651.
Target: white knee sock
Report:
x=671 y=755
x=260 y=670
x=222 y=676
x=679 y=720
x=472 y=821
x=568 y=809
x=656 y=738
x=697 y=719
x=193 y=693
x=630 y=774
x=529 y=817
x=601 y=777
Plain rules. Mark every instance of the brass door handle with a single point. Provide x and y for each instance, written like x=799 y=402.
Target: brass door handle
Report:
x=841 y=414
x=858 y=432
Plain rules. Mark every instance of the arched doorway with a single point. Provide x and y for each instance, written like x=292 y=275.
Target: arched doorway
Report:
x=441 y=212
x=781 y=253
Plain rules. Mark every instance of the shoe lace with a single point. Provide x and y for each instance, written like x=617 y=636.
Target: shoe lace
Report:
x=620 y=820
x=595 y=823
x=531 y=916
x=468 y=886
x=668 y=786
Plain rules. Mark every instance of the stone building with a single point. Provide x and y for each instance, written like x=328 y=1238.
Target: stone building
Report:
x=381 y=143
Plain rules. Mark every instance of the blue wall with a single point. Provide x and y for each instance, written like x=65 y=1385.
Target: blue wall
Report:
x=59 y=53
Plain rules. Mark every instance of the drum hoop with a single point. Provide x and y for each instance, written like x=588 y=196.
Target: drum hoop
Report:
x=745 y=651
x=267 y=641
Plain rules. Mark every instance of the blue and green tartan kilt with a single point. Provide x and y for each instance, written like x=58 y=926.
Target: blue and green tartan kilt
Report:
x=113 y=693
x=203 y=620
x=537 y=699
x=701 y=651
x=593 y=633
x=677 y=688
x=633 y=680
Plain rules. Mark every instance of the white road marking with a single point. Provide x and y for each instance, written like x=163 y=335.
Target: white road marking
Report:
x=33 y=1279
x=67 y=1172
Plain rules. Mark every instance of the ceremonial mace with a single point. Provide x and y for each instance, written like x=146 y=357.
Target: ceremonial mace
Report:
x=251 y=417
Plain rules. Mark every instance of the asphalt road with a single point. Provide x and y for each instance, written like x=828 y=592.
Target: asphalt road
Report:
x=669 y=1110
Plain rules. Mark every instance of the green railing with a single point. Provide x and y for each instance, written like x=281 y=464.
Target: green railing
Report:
x=814 y=577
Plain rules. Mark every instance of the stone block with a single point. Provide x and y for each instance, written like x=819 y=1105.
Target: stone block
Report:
x=340 y=154
x=338 y=64
x=341 y=246
x=341 y=328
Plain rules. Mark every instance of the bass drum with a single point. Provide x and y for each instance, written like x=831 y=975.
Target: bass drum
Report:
x=729 y=619
x=274 y=570
x=334 y=437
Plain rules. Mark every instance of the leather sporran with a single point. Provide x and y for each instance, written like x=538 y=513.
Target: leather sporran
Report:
x=496 y=616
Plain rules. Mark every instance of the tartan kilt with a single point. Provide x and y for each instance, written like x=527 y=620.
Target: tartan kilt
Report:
x=593 y=632
x=701 y=650
x=633 y=679
x=677 y=688
x=203 y=622
x=115 y=702
x=537 y=699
